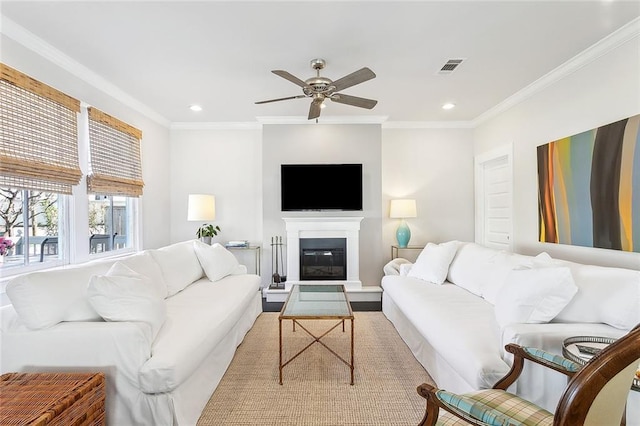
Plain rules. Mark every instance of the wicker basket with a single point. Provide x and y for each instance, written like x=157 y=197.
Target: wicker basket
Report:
x=68 y=399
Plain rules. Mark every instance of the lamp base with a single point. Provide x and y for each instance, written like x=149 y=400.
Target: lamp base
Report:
x=403 y=234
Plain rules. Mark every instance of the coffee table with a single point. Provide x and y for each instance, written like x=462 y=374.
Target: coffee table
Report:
x=316 y=302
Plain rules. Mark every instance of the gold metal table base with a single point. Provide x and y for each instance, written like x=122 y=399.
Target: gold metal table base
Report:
x=316 y=339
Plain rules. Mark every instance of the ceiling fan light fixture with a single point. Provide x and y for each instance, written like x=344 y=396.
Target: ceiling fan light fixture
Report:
x=448 y=106
x=319 y=88
x=323 y=105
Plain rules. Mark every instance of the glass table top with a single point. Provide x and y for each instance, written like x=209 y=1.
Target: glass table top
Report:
x=317 y=301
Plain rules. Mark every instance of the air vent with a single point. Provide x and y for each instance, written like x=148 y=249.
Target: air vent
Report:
x=450 y=66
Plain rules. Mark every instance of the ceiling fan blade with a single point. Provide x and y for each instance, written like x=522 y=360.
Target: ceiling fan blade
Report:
x=281 y=99
x=353 y=100
x=314 y=109
x=354 y=78
x=292 y=78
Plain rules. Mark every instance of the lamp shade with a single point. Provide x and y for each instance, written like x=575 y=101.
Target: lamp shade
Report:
x=202 y=207
x=401 y=209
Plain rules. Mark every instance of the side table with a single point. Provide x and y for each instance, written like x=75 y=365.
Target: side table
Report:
x=395 y=250
x=580 y=349
x=255 y=249
x=52 y=398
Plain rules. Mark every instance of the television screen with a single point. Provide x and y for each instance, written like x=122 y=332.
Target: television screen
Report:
x=321 y=187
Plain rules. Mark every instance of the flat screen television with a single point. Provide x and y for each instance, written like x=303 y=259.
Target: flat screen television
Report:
x=321 y=187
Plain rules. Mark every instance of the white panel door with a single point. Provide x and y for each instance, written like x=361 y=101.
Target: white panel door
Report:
x=494 y=200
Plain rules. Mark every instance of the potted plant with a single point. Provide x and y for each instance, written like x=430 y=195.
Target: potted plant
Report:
x=206 y=231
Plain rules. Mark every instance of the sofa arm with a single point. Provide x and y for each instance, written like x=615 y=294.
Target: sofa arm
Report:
x=393 y=266
x=116 y=348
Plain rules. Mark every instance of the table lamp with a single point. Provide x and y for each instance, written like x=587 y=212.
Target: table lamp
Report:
x=201 y=207
x=402 y=209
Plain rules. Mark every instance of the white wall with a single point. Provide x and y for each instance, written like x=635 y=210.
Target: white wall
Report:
x=227 y=164
x=603 y=91
x=434 y=166
x=325 y=143
x=242 y=169
x=155 y=142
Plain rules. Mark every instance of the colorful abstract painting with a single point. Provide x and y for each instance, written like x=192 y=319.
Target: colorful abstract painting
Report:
x=589 y=188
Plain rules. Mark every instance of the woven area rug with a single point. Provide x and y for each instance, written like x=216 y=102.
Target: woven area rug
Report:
x=316 y=389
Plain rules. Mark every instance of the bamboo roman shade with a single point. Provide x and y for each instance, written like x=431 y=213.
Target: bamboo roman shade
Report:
x=38 y=135
x=114 y=160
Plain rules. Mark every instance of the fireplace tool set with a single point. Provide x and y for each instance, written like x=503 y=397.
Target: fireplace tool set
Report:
x=277 y=280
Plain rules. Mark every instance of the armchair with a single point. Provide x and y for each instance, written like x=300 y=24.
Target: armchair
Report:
x=595 y=395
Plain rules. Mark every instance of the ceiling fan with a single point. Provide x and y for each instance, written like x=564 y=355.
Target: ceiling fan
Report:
x=320 y=88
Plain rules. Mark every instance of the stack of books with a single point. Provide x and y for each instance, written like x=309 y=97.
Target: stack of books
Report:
x=237 y=243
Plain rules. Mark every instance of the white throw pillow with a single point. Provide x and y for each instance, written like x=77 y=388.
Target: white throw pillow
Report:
x=405 y=268
x=43 y=299
x=433 y=263
x=534 y=295
x=471 y=267
x=500 y=266
x=124 y=295
x=179 y=265
x=217 y=261
x=144 y=264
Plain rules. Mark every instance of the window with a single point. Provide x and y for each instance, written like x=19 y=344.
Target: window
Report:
x=47 y=142
x=38 y=163
x=32 y=221
x=110 y=220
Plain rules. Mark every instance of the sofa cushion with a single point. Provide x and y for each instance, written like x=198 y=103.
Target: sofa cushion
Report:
x=198 y=318
x=43 y=299
x=605 y=294
x=500 y=266
x=472 y=266
x=433 y=262
x=534 y=295
x=217 y=261
x=144 y=264
x=179 y=265
x=125 y=295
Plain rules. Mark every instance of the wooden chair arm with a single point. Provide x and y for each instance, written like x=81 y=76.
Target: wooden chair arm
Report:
x=519 y=355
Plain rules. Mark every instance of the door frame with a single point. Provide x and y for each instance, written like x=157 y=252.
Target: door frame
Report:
x=480 y=161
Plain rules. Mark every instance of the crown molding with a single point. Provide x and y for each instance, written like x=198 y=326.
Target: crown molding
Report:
x=612 y=41
x=47 y=51
x=428 y=125
x=212 y=125
x=364 y=119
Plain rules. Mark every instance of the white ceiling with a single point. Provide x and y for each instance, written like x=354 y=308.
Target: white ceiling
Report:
x=171 y=54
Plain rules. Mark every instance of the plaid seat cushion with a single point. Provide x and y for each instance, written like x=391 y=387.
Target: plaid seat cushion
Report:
x=500 y=406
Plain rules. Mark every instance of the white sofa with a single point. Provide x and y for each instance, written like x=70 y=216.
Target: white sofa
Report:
x=458 y=329
x=175 y=318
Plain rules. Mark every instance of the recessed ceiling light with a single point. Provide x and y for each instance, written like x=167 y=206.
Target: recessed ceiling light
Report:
x=195 y=108
x=448 y=106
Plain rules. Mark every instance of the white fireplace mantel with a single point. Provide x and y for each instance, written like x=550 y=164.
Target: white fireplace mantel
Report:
x=323 y=227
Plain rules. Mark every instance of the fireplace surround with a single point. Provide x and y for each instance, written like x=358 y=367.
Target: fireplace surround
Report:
x=319 y=229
